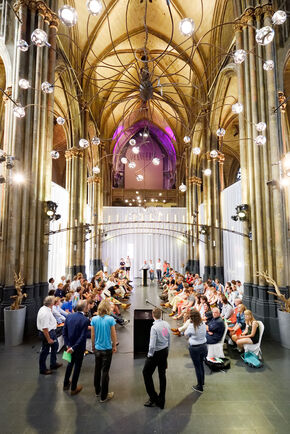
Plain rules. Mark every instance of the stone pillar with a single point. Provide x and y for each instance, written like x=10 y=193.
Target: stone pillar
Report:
x=194 y=184
x=94 y=190
x=25 y=248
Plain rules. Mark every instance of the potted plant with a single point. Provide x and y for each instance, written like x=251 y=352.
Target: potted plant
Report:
x=14 y=315
x=283 y=311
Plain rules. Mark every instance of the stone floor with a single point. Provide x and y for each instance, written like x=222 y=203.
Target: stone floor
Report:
x=242 y=400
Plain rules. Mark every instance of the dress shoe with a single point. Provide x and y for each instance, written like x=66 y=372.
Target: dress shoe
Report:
x=174 y=330
x=46 y=372
x=56 y=366
x=177 y=333
x=172 y=314
x=150 y=403
x=109 y=396
x=197 y=388
x=67 y=387
x=76 y=391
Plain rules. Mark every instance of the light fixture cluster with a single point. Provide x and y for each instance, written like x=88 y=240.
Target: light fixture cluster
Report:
x=242 y=212
x=51 y=208
x=9 y=162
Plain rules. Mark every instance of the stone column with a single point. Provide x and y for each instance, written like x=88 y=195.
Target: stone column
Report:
x=94 y=188
x=194 y=184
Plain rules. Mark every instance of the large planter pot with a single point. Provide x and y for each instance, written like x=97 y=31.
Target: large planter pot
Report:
x=14 y=321
x=284 y=326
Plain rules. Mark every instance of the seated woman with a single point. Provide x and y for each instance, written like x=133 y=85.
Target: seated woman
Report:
x=251 y=333
x=213 y=297
x=207 y=313
x=227 y=309
x=203 y=300
x=240 y=324
x=67 y=304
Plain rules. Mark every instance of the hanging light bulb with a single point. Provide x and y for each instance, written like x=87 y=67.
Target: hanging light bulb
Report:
x=265 y=35
x=96 y=140
x=135 y=149
x=145 y=134
x=132 y=164
x=139 y=177
x=186 y=139
x=132 y=142
x=237 y=108
x=23 y=83
x=261 y=126
x=124 y=160
x=94 y=6
x=19 y=111
x=207 y=172
x=60 y=120
x=268 y=65
x=39 y=38
x=187 y=26
x=214 y=153
x=260 y=140
x=18 y=178
x=220 y=132
x=54 y=155
x=22 y=45
x=96 y=170
x=46 y=87
x=68 y=15
x=239 y=56
x=182 y=188
x=196 y=150
x=279 y=17
x=156 y=161
x=83 y=143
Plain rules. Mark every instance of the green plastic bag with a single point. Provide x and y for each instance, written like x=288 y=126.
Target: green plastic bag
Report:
x=66 y=356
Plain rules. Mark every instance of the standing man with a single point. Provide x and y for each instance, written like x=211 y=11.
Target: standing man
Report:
x=157 y=357
x=75 y=334
x=46 y=325
x=104 y=344
x=158 y=269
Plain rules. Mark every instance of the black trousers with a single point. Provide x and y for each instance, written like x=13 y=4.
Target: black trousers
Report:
x=103 y=360
x=76 y=363
x=158 y=360
x=198 y=353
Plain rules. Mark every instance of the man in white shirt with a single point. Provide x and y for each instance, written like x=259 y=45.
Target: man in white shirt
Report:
x=51 y=285
x=159 y=269
x=46 y=325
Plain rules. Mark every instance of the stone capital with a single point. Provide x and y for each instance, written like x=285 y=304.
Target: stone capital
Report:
x=267 y=10
x=41 y=7
x=248 y=15
x=73 y=152
x=93 y=179
x=195 y=180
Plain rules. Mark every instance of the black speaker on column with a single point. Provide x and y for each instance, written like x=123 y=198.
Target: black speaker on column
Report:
x=143 y=321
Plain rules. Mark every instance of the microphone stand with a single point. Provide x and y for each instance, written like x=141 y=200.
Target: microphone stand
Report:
x=149 y=302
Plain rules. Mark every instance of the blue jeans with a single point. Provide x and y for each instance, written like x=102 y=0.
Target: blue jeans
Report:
x=45 y=351
x=198 y=353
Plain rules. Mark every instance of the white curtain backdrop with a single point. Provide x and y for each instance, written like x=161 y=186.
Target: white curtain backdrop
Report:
x=57 y=242
x=144 y=240
x=233 y=243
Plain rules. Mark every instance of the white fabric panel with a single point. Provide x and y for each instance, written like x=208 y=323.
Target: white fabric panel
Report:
x=57 y=242
x=233 y=243
x=201 y=243
x=142 y=240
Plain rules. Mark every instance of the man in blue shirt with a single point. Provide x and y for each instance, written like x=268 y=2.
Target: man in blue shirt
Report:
x=104 y=344
x=157 y=357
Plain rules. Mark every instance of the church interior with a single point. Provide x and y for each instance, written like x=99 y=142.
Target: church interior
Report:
x=148 y=130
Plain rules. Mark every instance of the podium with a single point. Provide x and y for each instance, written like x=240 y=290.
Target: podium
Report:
x=143 y=321
x=145 y=277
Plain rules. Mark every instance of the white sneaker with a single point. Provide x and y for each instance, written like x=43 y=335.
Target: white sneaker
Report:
x=109 y=396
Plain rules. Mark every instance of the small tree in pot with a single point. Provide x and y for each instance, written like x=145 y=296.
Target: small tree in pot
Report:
x=14 y=316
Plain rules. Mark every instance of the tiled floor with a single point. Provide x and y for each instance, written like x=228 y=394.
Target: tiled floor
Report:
x=242 y=400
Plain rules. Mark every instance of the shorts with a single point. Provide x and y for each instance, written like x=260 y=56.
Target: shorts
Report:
x=127 y=268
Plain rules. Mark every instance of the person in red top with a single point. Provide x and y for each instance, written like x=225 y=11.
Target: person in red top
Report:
x=233 y=318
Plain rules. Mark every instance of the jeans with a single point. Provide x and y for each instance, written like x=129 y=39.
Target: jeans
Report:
x=159 y=360
x=103 y=360
x=151 y=275
x=45 y=351
x=158 y=274
x=198 y=353
x=76 y=362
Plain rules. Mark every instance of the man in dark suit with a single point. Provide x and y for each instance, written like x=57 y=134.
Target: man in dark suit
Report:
x=75 y=335
x=215 y=328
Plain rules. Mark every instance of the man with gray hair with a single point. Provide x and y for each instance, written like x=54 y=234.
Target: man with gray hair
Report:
x=46 y=325
x=75 y=335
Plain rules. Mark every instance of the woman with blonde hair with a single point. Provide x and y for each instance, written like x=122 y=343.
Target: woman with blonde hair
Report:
x=251 y=333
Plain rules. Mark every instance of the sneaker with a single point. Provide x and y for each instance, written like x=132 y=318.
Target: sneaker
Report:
x=150 y=403
x=197 y=388
x=126 y=321
x=109 y=396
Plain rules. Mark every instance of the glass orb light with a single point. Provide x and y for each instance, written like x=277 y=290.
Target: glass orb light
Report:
x=221 y=132
x=18 y=178
x=135 y=150
x=23 y=83
x=261 y=126
x=132 y=164
x=279 y=17
x=214 y=153
x=94 y=6
x=265 y=35
x=268 y=65
x=182 y=188
x=239 y=56
x=46 y=87
x=145 y=135
x=187 y=26
x=156 y=161
x=139 y=177
x=196 y=150
x=237 y=108
x=84 y=143
x=260 y=140
x=39 y=38
x=124 y=160
x=22 y=45
x=19 y=111
x=96 y=140
x=96 y=170
x=54 y=155
x=60 y=120
x=132 y=142
x=207 y=172
x=186 y=139
x=68 y=15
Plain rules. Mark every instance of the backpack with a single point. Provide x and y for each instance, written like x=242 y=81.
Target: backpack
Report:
x=216 y=364
x=252 y=360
